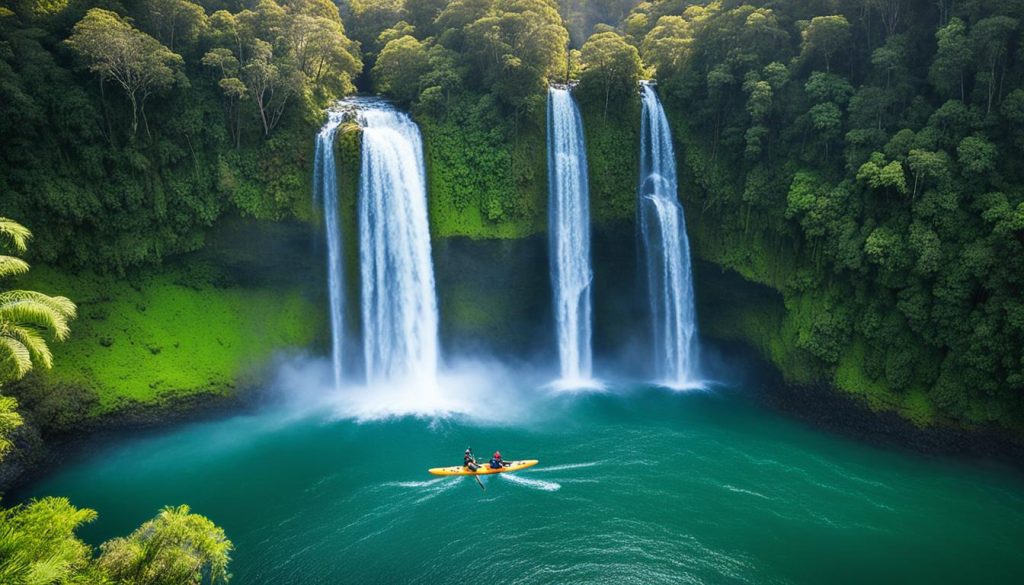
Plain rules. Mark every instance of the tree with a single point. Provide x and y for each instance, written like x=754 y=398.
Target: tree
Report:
x=518 y=45
x=826 y=35
x=989 y=40
x=928 y=165
x=114 y=49
x=401 y=68
x=879 y=174
x=323 y=53
x=441 y=81
x=892 y=58
x=890 y=11
x=1013 y=111
x=224 y=61
x=174 y=20
x=9 y=421
x=368 y=18
x=610 y=65
x=667 y=45
x=422 y=13
x=38 y=544
x=977 y=155
x=951 y=59
x=26 y=316
x=270 y=84
x=175 y=548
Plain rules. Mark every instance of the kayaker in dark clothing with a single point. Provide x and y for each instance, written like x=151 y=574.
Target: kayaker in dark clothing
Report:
x=469 y=461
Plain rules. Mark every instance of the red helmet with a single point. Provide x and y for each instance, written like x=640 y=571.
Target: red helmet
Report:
x=497 y=453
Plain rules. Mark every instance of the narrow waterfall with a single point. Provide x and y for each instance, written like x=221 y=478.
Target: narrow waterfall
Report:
x=399 y=306
x=569 y=235
x=325 y=189
x=666 y=249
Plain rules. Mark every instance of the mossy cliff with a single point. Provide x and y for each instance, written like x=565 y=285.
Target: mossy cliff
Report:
x=172 y=333
x=206 y=325
x=487 y=189
x=492 y=294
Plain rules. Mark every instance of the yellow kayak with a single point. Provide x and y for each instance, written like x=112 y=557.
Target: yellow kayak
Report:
x=485 y=469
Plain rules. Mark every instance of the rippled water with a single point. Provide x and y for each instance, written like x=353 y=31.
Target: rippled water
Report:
x=637 y=485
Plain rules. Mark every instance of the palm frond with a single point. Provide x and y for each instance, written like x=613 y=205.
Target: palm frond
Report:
x=62 y=305
x=9 y=420
x=11 y=266
x=15 y=233
x=33 y=342
x=32 y=313
x=48 y=570
x=15 y=359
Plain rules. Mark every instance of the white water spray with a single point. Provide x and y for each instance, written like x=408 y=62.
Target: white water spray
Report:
x=666 y=249
x=399 y=305
x=325 y=189
x=569 y=237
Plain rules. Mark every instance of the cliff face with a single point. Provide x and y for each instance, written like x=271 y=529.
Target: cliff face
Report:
x=263 y=283
x=488 y=216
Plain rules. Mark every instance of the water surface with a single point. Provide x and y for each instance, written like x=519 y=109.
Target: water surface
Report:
x=635 y=485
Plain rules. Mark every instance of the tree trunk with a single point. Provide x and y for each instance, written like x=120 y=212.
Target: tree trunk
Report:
x=135 y=113
x=145 y=121
x=991 y=87
x=263 y=115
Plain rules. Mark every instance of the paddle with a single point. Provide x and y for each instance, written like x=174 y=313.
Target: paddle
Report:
x=477 y=478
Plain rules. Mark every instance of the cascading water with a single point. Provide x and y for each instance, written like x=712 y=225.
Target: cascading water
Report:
x=325 y=189
x=667 y=250
x=569 y=236
x=399 y=306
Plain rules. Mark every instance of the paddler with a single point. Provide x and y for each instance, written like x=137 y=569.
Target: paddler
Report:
x=469 y=461
x=496 y=462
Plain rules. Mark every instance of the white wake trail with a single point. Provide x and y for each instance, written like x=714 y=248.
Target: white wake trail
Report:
x=537 y=484
x=565 y=467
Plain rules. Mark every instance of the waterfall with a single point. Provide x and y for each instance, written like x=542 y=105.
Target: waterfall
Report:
x=569 y=236
x=325 y=189
x=399 y=306
x=666 y=249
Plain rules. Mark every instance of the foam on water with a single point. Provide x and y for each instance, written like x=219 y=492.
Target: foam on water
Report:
x=537 y=484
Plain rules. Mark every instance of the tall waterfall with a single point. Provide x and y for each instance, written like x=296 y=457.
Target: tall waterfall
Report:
x=399 y=306
x=666 y=249
x=325 y=189
x=569 y=235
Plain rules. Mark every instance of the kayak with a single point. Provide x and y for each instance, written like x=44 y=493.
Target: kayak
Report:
x=485 y=469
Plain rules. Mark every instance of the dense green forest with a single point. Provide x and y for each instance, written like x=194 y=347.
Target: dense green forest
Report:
x=864 y=158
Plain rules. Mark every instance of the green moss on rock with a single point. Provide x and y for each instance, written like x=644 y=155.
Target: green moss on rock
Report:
x=148 y=339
